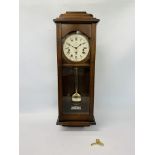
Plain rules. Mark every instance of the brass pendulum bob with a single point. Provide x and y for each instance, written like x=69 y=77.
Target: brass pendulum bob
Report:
x=76 y=97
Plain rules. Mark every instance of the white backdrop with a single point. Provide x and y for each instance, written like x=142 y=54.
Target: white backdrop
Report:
x=114 y=79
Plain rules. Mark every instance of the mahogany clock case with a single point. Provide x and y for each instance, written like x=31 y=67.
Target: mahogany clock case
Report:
x=66 y=24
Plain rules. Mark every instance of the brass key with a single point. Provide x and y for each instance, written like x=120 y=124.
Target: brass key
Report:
x=98 y=142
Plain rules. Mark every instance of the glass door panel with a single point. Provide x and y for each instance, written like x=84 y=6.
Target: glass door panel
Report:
x=75 y=81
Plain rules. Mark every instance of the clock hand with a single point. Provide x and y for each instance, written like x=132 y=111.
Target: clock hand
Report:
x=80 y=44
x=71 y=45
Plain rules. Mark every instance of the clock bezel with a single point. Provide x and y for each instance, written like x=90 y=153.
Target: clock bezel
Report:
x=63 y=41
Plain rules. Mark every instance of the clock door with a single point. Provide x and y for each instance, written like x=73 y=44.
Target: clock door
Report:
x=76 y=76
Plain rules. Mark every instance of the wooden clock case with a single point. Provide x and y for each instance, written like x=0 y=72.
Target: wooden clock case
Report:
x=66 y=24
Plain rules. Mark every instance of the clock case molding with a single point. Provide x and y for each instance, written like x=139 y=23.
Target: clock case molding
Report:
x=66 y=24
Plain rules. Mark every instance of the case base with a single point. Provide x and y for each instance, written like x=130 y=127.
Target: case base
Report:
x=76 y=123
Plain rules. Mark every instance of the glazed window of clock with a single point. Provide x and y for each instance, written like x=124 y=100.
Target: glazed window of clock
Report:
x=76 y=47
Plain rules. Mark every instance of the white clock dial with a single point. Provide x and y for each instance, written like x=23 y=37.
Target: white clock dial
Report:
x=76 y=47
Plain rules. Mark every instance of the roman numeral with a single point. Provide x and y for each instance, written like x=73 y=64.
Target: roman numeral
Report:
x=68 y=51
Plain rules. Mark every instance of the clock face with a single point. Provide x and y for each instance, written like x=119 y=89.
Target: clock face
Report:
x=76 y=47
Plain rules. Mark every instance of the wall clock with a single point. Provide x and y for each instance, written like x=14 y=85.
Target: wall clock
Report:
x=76 y=48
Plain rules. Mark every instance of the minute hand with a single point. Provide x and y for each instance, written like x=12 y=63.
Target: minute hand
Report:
x=80 y=45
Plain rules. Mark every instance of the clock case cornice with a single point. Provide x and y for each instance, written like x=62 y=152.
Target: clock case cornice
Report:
x=76 y=17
